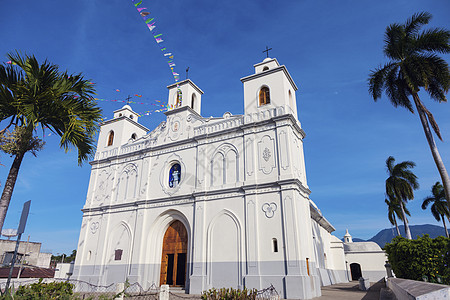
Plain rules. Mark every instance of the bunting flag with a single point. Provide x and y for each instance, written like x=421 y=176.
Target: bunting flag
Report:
x=150 y=22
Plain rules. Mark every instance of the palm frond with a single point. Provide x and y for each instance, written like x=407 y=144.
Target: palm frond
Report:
x=433 y=40
x=393 y=41
x=416 y=21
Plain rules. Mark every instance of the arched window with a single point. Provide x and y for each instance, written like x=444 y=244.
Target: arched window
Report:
x=291 y=103
x=111 y=138
x=174 y=175
x=265 y=68
x=193 y=101
x=133 y=136
x=275 y=245
x=264 y=96
x=179 y=98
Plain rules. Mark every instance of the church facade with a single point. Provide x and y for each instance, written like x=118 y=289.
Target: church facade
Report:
x=209 y=202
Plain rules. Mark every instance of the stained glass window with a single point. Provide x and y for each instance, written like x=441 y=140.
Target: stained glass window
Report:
x=174 y=175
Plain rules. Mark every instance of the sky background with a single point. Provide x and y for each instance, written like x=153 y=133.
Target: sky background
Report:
x=329 y=48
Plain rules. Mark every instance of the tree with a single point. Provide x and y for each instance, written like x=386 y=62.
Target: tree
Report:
x=413 y=65
x=34 y=95
x=439 y=209
x=400 y=185
x=394 y=209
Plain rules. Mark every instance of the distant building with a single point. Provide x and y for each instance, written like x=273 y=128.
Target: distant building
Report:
x=364 y=259
x=29 y=253
x=64 y=270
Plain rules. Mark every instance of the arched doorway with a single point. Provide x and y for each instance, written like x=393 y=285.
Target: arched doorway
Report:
x=174 y=255
x=355 y=269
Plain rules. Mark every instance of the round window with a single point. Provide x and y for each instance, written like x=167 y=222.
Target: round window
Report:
x=174 y=175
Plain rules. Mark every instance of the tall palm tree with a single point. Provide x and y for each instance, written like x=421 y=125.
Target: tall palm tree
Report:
x=394 y=210
x=400 y=185
x=414 y=65
x=36 y=95
x=439 y=208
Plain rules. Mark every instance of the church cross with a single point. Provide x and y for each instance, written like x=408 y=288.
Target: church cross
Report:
x=128 y=99
x=187 y=72
x=267 y=51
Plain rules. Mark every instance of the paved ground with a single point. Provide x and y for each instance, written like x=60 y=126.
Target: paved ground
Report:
x=350 y=291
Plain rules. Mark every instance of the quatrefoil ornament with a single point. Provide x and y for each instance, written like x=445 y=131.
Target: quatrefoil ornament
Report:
x=269 y=209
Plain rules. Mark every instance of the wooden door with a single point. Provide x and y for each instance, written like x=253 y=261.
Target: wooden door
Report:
x=174 y=255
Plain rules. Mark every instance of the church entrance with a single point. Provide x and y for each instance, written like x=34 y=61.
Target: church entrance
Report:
x=355 y=269
x=174 y=255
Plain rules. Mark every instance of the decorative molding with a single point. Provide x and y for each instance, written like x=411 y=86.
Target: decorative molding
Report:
x=164 y=175
x=266 y=160
x=249 y=156
x=94 y=227
x=269 y=209
x=175 y=127
x=284 y=150
x=266 y=154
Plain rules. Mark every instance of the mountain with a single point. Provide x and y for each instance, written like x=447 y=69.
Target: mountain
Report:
x=386 y=235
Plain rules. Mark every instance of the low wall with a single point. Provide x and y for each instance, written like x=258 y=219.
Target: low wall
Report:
x=405 y=289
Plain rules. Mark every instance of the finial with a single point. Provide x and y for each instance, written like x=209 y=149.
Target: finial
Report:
x=187 y=72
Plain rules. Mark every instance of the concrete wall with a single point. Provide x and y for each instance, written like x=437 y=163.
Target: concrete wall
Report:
x=371 y=262
x=33 y=255
x=405 y=289
x=64 y=270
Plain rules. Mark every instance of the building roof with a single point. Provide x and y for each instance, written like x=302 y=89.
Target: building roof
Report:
x=361 y=247
x=27 y=272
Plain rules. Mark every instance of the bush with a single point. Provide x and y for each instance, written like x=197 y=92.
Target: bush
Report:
x=229 y=294
x=420 y=258
x=42 y=291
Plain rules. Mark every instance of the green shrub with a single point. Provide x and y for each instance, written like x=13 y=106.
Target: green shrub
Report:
x=42 y=291
x=421 y=258
x=229 y=294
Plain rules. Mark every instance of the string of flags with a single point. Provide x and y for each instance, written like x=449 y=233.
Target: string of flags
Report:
x=151 y=24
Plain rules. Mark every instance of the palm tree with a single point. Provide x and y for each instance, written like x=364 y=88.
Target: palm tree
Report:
x=439 y=208
x=394 y=209
x=400 y=185
x=413 y=65
x=34 y=95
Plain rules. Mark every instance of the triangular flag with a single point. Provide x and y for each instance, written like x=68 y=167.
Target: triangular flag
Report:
x=141 y=9
x=167 y=54
x=149 y=20
x=137 y=4
x=144 y=13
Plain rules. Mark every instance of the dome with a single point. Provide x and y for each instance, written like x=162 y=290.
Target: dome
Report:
x=127 y=106
x=361 y=247
x=267 y=59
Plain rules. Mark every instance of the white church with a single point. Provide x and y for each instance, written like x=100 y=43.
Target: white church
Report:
x=209 y=202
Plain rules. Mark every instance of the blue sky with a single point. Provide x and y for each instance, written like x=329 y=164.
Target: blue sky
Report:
x=329 y=47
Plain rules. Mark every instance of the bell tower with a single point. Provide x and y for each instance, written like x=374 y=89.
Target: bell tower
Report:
x=120 y=130
x=185 y=94
x=270 y=86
